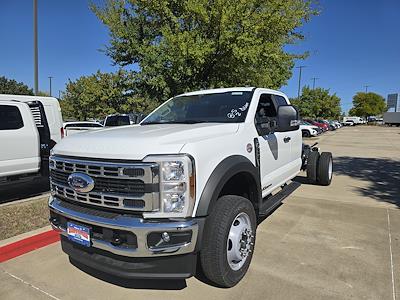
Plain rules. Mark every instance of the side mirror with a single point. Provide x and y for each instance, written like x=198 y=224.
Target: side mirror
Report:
x=288 y=118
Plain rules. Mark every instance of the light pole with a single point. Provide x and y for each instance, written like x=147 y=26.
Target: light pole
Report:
x=314 y=79
x=50 y=77
x=35 y=47
x=366 y=88
x=298 y=91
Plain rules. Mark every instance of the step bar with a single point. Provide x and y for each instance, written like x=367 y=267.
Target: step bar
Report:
x=271 y=202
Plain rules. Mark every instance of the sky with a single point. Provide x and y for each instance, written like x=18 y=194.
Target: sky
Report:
x=352 y=43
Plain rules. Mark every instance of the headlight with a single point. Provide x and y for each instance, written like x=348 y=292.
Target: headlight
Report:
x=177 y=185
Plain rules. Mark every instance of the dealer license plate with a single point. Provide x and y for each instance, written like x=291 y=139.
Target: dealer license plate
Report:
x=78 y=234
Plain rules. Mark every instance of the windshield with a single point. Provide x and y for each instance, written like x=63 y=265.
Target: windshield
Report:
x=117 y=121
x=230 y=107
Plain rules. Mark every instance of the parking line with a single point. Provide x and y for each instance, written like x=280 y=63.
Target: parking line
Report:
x=391 y=255
x=31 y=285
x=29 y=244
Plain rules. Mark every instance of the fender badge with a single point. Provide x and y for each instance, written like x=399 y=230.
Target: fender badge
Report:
x=249 y=148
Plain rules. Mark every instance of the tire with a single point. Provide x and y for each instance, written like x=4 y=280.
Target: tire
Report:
x=306 y=133
x=312 y=166
x=325 y=168
x=219 y=233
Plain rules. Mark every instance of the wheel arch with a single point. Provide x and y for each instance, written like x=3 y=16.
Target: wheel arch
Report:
x=228 y=173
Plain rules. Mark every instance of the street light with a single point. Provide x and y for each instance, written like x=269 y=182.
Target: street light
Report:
x=298 y=91
x=35 y=47
x=366 y=88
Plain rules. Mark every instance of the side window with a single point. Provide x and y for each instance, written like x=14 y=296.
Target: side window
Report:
x=280 y=100
x=266 y=107
x=266 y=114
x=10 y=118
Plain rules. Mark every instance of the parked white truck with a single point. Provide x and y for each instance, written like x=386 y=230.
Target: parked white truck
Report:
x=186 y=185
x=29 y=128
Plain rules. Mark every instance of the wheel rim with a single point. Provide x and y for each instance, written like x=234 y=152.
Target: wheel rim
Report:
x=239 y=242
x=330 y=169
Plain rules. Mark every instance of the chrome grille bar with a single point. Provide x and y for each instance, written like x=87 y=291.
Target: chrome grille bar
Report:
x=120 y=172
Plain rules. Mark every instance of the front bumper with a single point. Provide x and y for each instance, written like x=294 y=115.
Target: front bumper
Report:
x=138 y=227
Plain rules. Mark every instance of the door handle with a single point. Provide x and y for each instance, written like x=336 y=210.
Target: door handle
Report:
x=287 y=139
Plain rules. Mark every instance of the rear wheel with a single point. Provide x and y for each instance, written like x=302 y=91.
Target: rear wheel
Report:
x=229 y=237
x=312 y=166
x=325 y=168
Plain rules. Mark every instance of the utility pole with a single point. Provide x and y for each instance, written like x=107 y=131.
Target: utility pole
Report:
x=50 y=77
x=366 y=88
x=35 y=47
x=314 y=79
x=298 y=91
x=59 y=94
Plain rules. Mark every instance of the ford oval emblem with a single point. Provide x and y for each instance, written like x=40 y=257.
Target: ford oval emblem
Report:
x=81 y=182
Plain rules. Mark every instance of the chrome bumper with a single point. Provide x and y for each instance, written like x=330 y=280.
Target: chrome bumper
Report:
x=139 y=226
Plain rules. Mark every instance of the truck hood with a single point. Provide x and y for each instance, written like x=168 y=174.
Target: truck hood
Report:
x=136 y=142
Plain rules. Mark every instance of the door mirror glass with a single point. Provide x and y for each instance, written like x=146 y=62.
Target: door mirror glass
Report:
x=288 y=118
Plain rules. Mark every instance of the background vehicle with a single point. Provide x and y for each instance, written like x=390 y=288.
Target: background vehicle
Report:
x=186 y=185
x=356 y=120
x=309 y=130
x=391 y=118
x=323 y=126
x=123 y=119
x=26 y=137
x=80 y=126
x=348 y=123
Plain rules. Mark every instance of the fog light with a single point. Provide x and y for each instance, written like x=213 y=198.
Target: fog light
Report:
x=165 y=237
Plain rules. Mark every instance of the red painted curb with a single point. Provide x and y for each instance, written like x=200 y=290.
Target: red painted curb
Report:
x=28 y=244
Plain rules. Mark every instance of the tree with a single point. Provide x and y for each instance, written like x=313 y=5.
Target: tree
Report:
x=101 y=94
x=183 y=45
x=10 y=86
x=367 y=104
x=318 y=103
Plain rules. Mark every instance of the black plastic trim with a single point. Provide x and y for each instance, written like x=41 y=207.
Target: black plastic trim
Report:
x=166 y=267
x=225 y=170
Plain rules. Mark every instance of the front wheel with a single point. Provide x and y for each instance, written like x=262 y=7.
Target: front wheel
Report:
x=229 y=237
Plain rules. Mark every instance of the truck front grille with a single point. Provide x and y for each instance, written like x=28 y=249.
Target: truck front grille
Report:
x=126 y=185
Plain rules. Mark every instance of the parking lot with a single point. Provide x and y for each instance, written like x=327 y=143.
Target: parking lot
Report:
x=335 y=242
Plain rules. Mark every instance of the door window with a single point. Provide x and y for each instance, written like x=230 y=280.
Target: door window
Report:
x=10 y=118
x=266 y=112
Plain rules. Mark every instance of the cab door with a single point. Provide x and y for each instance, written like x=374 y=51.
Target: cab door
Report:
x=275 y=151
x=19 y=140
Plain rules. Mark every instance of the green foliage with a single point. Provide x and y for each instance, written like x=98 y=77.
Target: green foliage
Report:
x=10 y=86
x=367 y=104
x=318 y=103
x=101 y=94
x=184 y=45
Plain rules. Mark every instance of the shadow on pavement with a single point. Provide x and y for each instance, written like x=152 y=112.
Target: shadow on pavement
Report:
x=17 y=191
x=382 y=175
x=153 y=284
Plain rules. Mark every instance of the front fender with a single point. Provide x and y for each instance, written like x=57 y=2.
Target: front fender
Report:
x=225 y=170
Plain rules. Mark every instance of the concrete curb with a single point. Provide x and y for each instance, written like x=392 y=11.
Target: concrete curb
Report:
x=24 y=235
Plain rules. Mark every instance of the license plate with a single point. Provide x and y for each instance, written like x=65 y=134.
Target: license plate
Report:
x=78 y=234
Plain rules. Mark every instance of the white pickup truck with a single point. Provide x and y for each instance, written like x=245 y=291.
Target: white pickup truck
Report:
x=29 y=128
x=187 y=185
